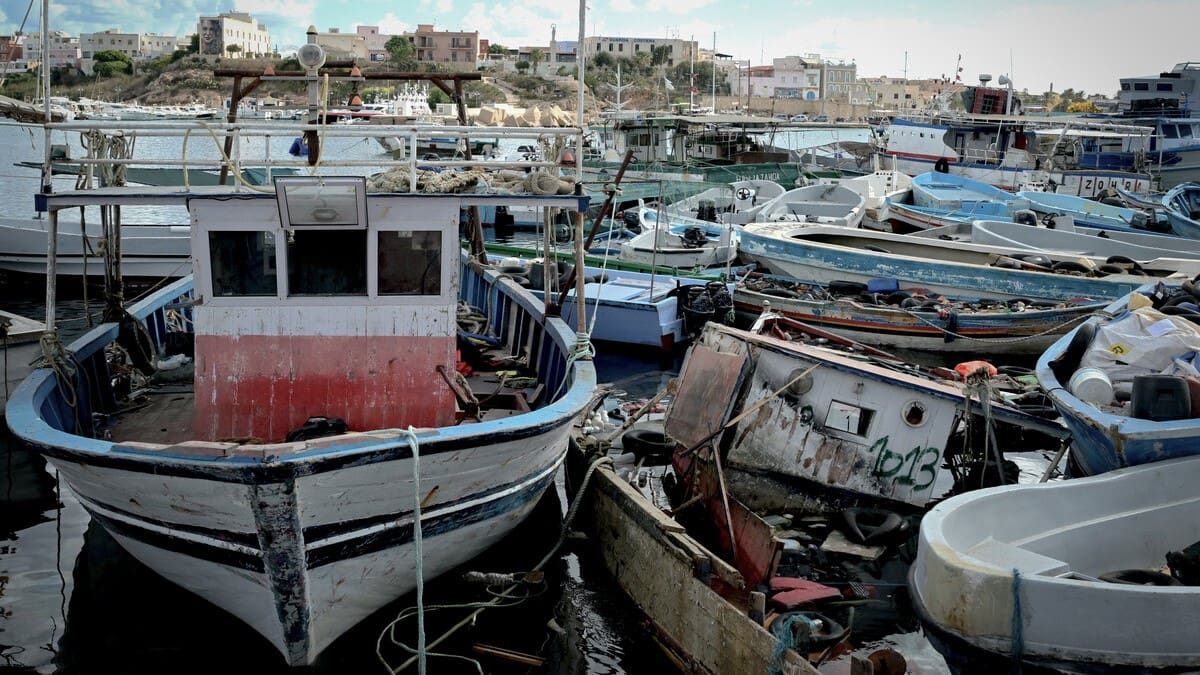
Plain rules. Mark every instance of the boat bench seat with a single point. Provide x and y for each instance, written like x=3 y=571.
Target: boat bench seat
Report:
x=815 y=208
x=1003 y=554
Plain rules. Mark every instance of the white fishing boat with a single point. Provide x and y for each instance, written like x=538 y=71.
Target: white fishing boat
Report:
x=818 y=204
x=737 y=202
x=1062 y=236
x=19 y=350
x=1078 y=576
x=329 y=442
x=691 y=248
x=876 y=188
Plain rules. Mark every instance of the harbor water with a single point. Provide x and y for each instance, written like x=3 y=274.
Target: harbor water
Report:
x=72 y=601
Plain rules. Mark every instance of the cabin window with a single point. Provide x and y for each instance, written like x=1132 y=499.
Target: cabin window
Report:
x=1141 y=86
x=849 y=418
x=1170 y=131
x=327 y=262
x=1124 y=86
x=410 y=262
x=243 y=263
x=1164 y=86
x=1185 y=131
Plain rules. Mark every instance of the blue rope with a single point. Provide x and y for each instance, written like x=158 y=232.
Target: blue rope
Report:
x=786 y=639
x=1018 y=634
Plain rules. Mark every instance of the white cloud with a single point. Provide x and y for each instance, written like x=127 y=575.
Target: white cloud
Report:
x=391 y=24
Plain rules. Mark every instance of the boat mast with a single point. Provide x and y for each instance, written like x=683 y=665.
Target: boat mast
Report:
x=580 y=282
x=47 y=183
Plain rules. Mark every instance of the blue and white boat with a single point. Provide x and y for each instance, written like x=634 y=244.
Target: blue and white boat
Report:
x=639 y=309
x=1063 y=237
x=1093 y=213
x=1182 y=207
x=941 y=267
x=950 y=192
x=356 y=405
x=1117 y=348
x=831 y=204
x=906 y=217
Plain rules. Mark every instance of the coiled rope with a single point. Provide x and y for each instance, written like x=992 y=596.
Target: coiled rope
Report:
x=786 y=639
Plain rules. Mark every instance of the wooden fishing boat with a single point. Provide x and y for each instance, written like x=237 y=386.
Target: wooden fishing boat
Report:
x=356 y=404
x=892 y=316
x=955 y=269
x=1068 y=575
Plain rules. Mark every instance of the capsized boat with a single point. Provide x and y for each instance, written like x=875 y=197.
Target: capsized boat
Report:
x=1182 y=208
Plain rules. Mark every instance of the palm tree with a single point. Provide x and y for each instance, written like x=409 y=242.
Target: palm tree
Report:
x=535 y=57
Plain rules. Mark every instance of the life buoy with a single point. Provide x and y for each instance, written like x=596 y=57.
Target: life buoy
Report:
x=872 y=527
x=941 y=166
x=1140 y=577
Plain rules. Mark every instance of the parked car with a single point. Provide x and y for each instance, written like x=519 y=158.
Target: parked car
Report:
x=800 y=118
x=821 y=118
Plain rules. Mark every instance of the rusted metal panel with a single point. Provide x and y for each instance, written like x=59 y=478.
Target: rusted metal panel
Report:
x=264 y=386
x=707 y=384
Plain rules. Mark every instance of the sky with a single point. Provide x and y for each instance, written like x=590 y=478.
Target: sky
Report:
x=1085 y=46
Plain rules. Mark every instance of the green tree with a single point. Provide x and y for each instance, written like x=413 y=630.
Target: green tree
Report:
x=497 y=49
x=603 y=60
x=233 y=50
x=642 y=60
x=401 y=53
x=522 y=66
x=194 y=44
x=660 y=55
x=111 y=62
x=536 y=56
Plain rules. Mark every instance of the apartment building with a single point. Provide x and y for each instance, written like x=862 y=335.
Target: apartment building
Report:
x=233 y=33
x=455 y=49
x=64 y=49
x=681 y=51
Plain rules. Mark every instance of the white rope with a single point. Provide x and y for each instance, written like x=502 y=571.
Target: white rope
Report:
x=417 y=552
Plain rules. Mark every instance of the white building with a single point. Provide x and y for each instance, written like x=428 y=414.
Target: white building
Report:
x=682 y=51
x=111 y=40
x=233 y=34
x=375 y=43
x=796 y=77
x=339 y=45
x=64 y=49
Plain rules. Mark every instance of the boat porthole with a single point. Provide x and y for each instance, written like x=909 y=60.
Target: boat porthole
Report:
x=914 y=414
x=801 y=386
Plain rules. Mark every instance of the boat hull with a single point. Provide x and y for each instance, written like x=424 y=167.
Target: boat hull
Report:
x=1017 y=569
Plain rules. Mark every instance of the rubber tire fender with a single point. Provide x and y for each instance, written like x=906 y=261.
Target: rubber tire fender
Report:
x=871 y=527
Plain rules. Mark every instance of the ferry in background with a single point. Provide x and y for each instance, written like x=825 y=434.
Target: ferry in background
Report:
x=994 y=142
x=1166 y=103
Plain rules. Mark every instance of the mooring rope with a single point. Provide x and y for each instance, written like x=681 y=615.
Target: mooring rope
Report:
x=415 y=444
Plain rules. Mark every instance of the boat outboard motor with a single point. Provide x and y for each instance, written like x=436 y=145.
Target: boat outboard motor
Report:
x=1139 y=219
x=1025 y=217
x=697 y=308
x=694 y=237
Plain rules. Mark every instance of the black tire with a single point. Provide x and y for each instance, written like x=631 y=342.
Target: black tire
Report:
x=1120 y=260
x=941 y=166
x=846 y=288
x=1070 y=266
x=1033 y=259
x=1139 y=577
x=1068 y=361
x=1108 y=268
x=647 y=444
x=872 y=527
